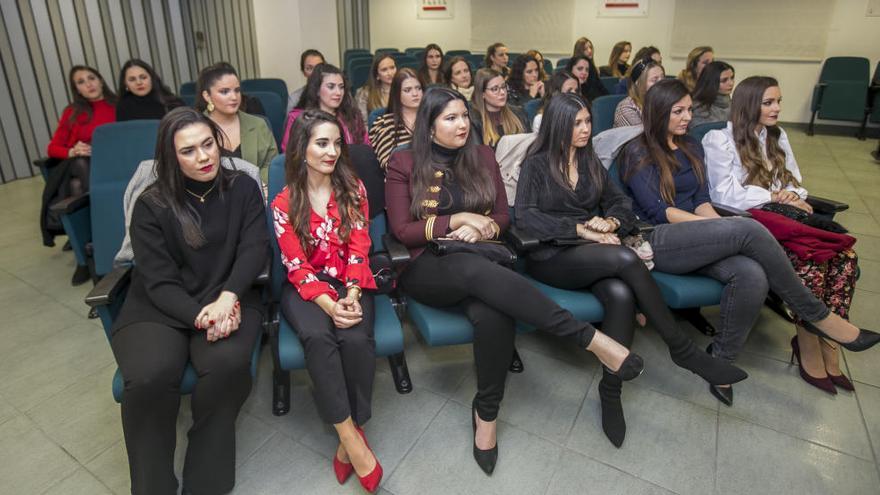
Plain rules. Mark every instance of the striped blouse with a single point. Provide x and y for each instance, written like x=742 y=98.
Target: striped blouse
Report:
x=385 y=137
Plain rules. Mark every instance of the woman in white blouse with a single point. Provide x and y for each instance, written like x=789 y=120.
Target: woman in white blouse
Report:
x=750 y=163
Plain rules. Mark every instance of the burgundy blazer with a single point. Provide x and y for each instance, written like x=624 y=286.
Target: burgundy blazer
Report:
x=398 y=198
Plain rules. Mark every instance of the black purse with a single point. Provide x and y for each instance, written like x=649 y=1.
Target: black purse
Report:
x=801 y=216
x=494 y=251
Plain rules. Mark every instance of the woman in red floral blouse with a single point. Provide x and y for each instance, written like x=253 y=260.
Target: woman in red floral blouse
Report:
x=321 y=219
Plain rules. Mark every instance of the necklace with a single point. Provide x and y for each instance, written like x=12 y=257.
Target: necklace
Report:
x=201 y=196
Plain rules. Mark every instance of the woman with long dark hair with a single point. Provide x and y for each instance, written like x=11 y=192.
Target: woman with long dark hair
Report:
x=244 y=135
x=459 y=76
x=431 y=71
x=448 y=186
x=751 y=164
x=394 y=127
x=327 y=90
x=143 y=94
x=618 y=61
x=665 y=173
x=321 y=222
x=94 y=104
x=525 y=81
x=564 y=194
x=375 y=93
x=492 y=117
x=199 y=240
x=582 y=67
x=561 y=82
x=712 y=93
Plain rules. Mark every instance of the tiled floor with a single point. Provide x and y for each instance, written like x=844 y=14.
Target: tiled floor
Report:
x=60 y=430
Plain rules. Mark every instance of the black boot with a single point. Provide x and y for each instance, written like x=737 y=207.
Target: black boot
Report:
x=713 y=370
x=80 y=275
x=613 y=423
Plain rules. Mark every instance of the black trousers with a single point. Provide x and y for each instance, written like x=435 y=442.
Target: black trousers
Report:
x=58 y=186
x=152 y=358
x=620 y=280
x=341 y=361
x=493 y=298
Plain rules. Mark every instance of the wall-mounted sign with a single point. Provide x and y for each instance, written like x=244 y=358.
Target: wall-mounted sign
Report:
x=434 y=9
x=623 y=8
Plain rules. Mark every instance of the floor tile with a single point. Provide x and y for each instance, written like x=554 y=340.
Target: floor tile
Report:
x=864 y=310
x=442 y=461
x=111 y=468
x=669 y=442
x=81 y=482
x=771 y=336
x=785 y=464
x=775 y=396
x=869 y=400
x=29 y=461
x=580 y=474
x=858 y=223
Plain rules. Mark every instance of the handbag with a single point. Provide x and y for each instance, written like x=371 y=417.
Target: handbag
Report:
x=494 y=251
x=801 y=216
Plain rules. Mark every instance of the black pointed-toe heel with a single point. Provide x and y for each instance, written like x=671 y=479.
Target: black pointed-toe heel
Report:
x=723 y=394
x=866 y=339
x=486 y=459
x=613 y=422
x=630 y=368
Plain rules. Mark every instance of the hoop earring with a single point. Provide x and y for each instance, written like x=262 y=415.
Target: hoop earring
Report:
x=210 y=107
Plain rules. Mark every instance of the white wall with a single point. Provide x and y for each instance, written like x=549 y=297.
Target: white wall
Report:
x=393 y=23
x=287 y=27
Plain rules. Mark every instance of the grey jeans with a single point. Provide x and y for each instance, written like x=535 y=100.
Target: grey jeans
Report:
x=747 y=259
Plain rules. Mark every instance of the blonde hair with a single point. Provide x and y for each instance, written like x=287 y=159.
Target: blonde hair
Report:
x=509 y=121
x=637 y=88
x=374 y=87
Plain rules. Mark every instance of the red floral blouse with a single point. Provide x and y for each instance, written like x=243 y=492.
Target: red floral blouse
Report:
x=346 y=262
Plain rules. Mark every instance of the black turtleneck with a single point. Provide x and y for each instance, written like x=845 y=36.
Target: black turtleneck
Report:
x=451 y=198
x=133 y=107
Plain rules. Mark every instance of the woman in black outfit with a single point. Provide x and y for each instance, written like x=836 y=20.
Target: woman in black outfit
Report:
x=564 y=194
x=584 y=69
x=199 y=240
x=427 y=198
x=143 y=94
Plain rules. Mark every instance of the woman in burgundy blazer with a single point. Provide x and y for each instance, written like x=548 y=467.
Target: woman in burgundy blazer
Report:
x=447 y=186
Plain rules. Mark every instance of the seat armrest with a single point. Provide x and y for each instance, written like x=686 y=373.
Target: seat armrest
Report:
x=398 y=253
x=109 y=287
x=69 y=205
x=643 y=227
x=520 y=240
x=825 y=205
x=729 y=211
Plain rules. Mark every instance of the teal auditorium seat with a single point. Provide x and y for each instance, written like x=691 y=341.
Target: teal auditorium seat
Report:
x=476 y=60
x=548 y=67
x=117 y=149
x=457 y=53
x=406 y=61
x=270 y=85
x=531 y=109
x=603 y=112
x=275 y=109
x=188 y=88
x=415 y=52
x=610 y=83
x=358 y=73
x=698 y=131
x=562 y=62
x=287 y=351
x=842 y=91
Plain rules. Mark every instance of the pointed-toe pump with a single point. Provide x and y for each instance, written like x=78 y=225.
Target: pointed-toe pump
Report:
x=723 y=394
x=866 y=339
x=486 y=459
x=824 y=384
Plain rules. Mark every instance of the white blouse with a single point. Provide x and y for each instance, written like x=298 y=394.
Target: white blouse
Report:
x=727 y=176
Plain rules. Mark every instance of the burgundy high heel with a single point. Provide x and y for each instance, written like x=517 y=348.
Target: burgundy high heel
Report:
x=842 y=381
x=825 y=384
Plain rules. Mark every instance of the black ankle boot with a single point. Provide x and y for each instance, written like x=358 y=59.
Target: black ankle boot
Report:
x=613 y=423
x=713 y=370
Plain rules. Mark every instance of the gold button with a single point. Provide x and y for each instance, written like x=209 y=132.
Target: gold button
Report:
x=438 y=174
x=434 y=189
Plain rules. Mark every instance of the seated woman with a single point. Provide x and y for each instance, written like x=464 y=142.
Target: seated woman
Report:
x=431 y=70
x=394 y=127
x=750 y=163
x=497 y=59
x=564 y=194
x=583 y=46
x=651 y=53
x=199 y=239
x=525 y=82
x=308 y=60
x=643 y=74
x=94 y=104
x=448 y=186
x=664 y=172
x=244 y=135
x=375 y=93
x=539 y=57
x=712 y=94
x=583 y=69
x=491 y=116
x=458 y=76
x=561 y=82
x=321 y=219
x=144 y=95
x=618 y=61
x=697 y=60
x=327 y=90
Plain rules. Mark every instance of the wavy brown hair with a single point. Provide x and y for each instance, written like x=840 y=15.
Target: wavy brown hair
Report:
x=745 y=115
x=343 y=180
x=347 y=111
x=655 y=143
x=80 y=104
x=580 y=47
x=374 y=87
x=613 y=59
x=509 y=121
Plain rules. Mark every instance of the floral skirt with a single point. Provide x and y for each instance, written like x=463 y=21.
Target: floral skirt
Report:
x=833 y=282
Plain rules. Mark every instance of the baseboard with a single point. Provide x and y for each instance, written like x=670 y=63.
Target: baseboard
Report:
x=872 y=132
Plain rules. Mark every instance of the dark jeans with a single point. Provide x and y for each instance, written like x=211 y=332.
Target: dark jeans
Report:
x=152 y=358
x=493 y=298
x=744 y=256
x=341 y=361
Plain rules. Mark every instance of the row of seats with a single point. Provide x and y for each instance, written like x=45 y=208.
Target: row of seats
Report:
x=846 y=92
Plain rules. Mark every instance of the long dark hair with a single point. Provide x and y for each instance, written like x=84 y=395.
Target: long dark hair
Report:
x=80 y=104
x=311 y=52
x=477 y=186
x=207 y=78
x=614 y=58
x=347 y=111
x=745 y=115
x=706 y=89
x=490 y=51
x=569 y=67
x=159 y=92
x=655 y=116
x=169 y=190
x=447 y=72
x=395 y=108
x=343 y=180
x=424 y=74
x=554 y=138
x=516 y=80
x=554 y=87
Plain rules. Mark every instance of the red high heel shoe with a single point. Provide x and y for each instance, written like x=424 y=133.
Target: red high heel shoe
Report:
x=825 y=384
x=371 y=481
x=342 y=469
